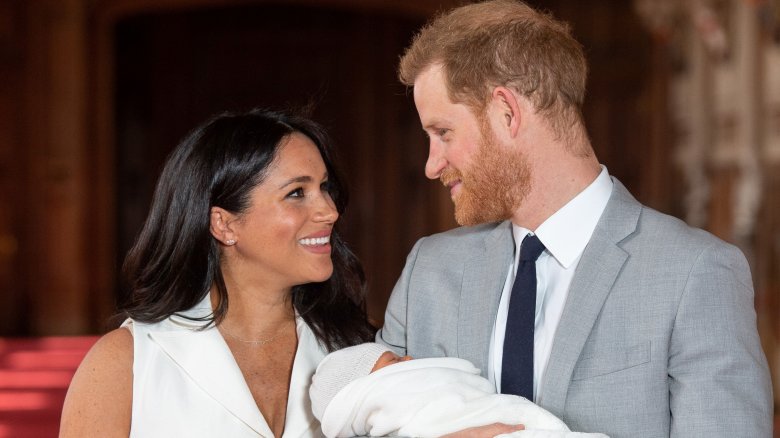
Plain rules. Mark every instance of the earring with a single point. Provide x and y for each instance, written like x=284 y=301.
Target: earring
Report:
x=230 y=242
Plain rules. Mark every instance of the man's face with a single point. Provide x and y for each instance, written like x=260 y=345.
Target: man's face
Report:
x=487 y=180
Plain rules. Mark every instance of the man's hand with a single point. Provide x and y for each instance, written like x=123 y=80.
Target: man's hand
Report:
x=487 y=431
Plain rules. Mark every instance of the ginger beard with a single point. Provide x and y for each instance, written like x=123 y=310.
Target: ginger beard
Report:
x=495 y=184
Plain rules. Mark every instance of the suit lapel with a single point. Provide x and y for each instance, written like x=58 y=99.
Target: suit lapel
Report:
x=597 y=271
x=483 y=279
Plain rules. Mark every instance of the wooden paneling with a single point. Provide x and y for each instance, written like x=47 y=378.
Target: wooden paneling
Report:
x=766 y=271
x=12 y=303
x=55 y=236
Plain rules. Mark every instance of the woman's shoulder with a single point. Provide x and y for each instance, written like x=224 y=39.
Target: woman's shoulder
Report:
x=111 y=357
x=114 y=345
x=99 y=399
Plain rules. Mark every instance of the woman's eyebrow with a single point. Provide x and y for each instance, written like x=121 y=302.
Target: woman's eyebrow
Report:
x=297 y=179
x=301 y=179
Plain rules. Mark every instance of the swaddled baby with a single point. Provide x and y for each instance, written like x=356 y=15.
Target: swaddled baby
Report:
x=368 y=390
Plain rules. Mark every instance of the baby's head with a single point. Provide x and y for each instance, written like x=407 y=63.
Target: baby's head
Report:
x=341 y=367
x=388 y=358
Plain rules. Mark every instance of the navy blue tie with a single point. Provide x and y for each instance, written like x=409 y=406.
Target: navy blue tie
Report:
x=517 y=365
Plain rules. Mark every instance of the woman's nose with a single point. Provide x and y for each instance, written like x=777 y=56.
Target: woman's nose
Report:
x=326 y=209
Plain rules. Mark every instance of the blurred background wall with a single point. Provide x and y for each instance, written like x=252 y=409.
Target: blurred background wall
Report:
x=683 y=107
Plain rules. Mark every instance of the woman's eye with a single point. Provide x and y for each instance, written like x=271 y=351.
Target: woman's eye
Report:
x=297 y=193
x=326 y=186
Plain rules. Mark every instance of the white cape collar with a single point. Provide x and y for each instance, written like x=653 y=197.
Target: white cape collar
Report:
x=203 y=355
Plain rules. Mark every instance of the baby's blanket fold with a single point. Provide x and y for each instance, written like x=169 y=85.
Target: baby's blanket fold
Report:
x=433 y=397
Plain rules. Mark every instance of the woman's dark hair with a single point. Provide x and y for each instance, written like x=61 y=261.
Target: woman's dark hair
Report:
x=175 y=260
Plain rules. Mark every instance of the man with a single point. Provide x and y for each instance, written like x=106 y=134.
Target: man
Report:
x=640 y=326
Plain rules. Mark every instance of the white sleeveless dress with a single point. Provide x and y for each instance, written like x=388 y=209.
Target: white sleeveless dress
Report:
x=186 y=383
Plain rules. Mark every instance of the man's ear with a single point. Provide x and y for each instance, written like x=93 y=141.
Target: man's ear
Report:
x=220 y=225
x=506 y=110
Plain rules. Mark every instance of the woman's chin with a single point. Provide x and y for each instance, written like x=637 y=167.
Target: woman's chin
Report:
x=321 y=275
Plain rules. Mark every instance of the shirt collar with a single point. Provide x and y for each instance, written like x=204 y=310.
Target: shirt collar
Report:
x=566 y=233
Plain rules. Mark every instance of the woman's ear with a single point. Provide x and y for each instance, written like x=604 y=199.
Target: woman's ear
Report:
x=221 y=226
x=506 y=108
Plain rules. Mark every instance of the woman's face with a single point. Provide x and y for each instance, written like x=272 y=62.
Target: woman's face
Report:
x=283 y=239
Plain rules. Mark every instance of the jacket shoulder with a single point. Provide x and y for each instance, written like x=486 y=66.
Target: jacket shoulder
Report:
x=661 y=227
x=462 y=238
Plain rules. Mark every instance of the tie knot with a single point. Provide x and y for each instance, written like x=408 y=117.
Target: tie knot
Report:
x=531 y=248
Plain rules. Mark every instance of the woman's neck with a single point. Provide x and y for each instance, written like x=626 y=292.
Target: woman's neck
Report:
x=255 y=310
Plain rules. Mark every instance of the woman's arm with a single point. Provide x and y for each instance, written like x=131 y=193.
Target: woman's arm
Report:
x=100 y=395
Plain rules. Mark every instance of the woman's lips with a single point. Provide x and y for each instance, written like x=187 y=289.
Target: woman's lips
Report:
x=317 y=243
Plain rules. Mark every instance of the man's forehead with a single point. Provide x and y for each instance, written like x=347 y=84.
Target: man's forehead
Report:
x=430 y=76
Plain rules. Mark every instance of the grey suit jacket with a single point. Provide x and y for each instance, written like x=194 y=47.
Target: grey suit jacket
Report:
x=657 y=338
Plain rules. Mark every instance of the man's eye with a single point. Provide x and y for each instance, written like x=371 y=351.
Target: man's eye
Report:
x=297 y=193
x=442 y=132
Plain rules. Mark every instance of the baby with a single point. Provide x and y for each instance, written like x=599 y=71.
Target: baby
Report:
x=367 y=390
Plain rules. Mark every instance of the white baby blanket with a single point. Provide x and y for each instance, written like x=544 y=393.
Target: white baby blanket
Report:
x=433 y=397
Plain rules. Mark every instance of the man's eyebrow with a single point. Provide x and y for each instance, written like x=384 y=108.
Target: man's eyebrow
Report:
x=435 y=124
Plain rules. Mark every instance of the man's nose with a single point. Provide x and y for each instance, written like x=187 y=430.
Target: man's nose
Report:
x=436 y=162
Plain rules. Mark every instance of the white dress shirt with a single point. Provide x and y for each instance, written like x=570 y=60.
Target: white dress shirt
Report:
x=564 y=235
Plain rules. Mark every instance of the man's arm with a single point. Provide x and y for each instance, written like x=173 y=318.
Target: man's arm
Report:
x=718 y=375
x=393 y=333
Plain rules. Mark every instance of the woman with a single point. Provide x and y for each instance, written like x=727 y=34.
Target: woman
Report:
x=239 y=286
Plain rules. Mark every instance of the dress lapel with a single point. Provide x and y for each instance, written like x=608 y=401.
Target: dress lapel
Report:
x=597 y=271
x=483 y=279
x=206 y=359
x=307 y=357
